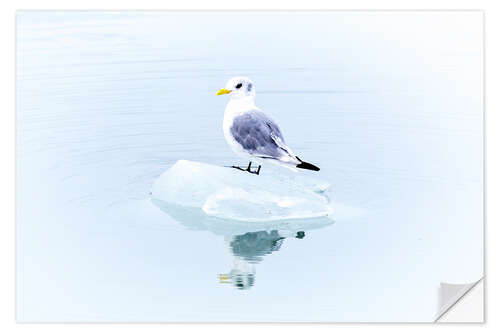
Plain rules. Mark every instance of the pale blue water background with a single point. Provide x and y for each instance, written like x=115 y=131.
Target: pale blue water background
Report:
x=389 y=105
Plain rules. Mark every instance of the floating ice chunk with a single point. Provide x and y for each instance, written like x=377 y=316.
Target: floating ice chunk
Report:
x=196 y=219
x=258 y=205
x=236 y=195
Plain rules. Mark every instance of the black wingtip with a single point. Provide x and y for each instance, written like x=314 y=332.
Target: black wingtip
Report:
x=307 y=166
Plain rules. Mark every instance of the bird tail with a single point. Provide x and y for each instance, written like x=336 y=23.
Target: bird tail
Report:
x=305 y=165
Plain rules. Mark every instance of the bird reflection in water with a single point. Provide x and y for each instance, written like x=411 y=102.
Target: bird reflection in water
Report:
x=246 y=241
x=249 y=249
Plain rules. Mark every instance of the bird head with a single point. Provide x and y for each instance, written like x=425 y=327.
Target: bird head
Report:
x=238 y=87
x=240 y=279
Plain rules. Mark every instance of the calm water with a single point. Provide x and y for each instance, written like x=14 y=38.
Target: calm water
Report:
x=389 y=105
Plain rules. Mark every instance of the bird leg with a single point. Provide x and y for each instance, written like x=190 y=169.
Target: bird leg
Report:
x=256 y=172
x=248 y=169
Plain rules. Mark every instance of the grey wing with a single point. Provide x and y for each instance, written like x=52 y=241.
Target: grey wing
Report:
x=259 y=135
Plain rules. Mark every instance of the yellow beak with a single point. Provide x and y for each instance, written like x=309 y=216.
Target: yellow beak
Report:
x=223 y=91
x=224 y=278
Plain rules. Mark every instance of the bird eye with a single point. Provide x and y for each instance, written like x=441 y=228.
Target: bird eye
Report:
x=238 y=86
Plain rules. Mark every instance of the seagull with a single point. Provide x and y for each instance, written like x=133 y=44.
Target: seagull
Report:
x=251 y=133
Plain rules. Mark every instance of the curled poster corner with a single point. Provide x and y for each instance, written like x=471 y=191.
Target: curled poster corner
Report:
x=461 y=302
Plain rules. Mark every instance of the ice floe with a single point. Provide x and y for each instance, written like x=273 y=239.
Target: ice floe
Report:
x=232 y=194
